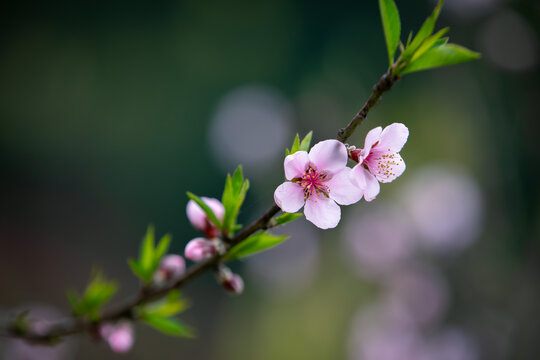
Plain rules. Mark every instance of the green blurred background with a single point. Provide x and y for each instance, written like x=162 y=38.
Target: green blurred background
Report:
x=110 y=111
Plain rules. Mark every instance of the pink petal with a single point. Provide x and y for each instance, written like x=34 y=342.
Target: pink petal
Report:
x=329 y=155
x=393 y=137
x=199 y=249
x=342 y=190
x=216 y=206
x=365 y=181
x=371 y=138
x=386 y=169
x=296 y=164
x=197 y=216
x=322 y=211
x=289 y=197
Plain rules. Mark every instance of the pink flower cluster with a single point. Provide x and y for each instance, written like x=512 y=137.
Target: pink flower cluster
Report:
x=202 y=248
x=321 y=181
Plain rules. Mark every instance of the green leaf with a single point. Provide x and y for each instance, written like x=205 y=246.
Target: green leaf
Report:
x=172 y=304
x=254 y=244
x=97 y=293
x=425 y=31
x=147 y=248
x=391 y=26
x=443 y=55
x=137 y=269
x=429 y=43
x=286 y=217
x=161 y=249
x=211 y=216
x=306 y=142
x=233 y=198
x=167 y=325
x=295 y=147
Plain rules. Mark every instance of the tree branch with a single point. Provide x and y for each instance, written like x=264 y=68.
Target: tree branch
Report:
x=128 y=311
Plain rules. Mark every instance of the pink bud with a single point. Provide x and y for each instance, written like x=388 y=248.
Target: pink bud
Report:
x=199 y=249
x=233 y=283
x=120 y=336
x=200 y=221
x=171 y=267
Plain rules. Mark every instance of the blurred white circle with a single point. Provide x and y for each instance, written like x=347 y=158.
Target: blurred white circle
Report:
x=251 y=126
x=289 y=268
x=509 y=41
x=378 y=240
x=446 y=207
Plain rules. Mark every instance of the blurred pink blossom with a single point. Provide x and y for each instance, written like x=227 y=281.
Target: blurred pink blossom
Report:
x=378 y=241
x=200 y=221
x=199 y=249
x=119 y=336
x=417 y=295
x=319 y=179
x=379 y=160
x=171 y=267
x=446 y=208
x=233 y=283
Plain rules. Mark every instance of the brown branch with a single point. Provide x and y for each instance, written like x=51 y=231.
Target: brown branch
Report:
x=128 y=310
x=384 y=84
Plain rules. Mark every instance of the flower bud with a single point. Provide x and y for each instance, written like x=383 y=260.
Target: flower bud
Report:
x=233 y=283
x=198 y=217
x=119 y=336
x=199 y=249
x=170 y=268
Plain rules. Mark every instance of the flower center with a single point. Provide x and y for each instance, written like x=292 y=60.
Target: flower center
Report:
x=385 y=164
x=313 y=182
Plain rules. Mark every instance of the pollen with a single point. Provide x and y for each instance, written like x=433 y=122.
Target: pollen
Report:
x=313 y=182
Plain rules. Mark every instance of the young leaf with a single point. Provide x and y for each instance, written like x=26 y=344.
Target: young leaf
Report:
x=306 y=142
x=170 y=305
x=391 y=26
x=286 y=217
x=429 y=43
x=167 y=325
x=425 y=31
x=137 y=269
x=161 y=249
x=447 y=54
x=97 y=293
x=295 y=147
x=233 y=198
x=211 y=216
x=147 y=248
x=254 y=244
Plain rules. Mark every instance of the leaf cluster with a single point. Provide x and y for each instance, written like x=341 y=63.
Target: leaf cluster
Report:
x=426 y=50
x=300 y=145
x=160 y=315
x=150 y=255
x=98 y=292
x=234 y=194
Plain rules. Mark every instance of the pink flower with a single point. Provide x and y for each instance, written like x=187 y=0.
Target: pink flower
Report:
x=379 y=160
x=233 y=283
x=199 y=249
x=200 y=221
x=171 y=267
x=120 y=336
x=319 y=180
